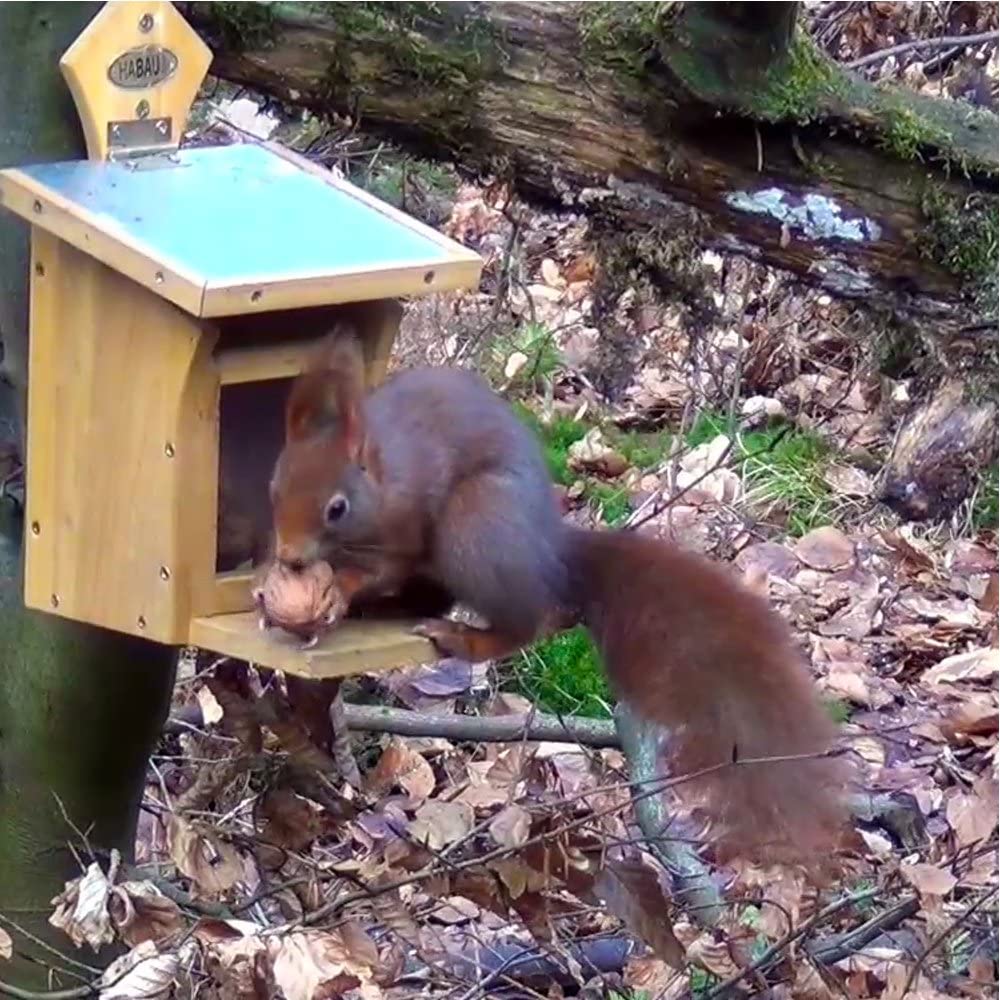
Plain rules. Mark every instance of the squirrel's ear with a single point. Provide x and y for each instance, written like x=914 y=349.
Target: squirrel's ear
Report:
x=330 y=394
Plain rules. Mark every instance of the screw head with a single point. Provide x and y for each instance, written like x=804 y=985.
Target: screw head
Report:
x=36 y=207
x=40 y=269
x=164 y=573
x=168 y=450
x=54 y=600
x=141 y=621
x=36 y=528
x=158 y=278
x=142 y=109
x=146 y=23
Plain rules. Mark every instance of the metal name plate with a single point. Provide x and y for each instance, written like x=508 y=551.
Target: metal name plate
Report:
x=147 y=66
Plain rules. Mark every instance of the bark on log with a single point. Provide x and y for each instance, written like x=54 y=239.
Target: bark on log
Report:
x=713 y=123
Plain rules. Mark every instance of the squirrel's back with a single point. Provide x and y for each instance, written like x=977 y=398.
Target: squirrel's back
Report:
x=438 y=426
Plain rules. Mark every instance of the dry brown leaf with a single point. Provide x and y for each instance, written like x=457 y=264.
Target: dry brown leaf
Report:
x=507 y=771
x=973 y=814
x=982 y=969
x=848 y=684
x=712 y=955
x=211 y=710
x=455 y=910
x=809 y=984
x=6 y=944
x=143 y=973
x=399 y=765
x=237 y=957
x=289 y=820
x=825 y=548
x=515 y=362
x=928 y=880
x=857 y=620
x=511 y=826
x=303 y=971
x=632 y=892
x=482 y=796
x=213 y=865
x=848 y=480
x=316 y=965
x=482 y=887
x=977 y=665
x=955 y=611
x=82 y=909
x=517 y=877
x=392 y=911
x=654 y=978
x=551 y=275
x=977 y=714
x=141 y=912
x=770 y=558
x=437 y=824
x=593 y=454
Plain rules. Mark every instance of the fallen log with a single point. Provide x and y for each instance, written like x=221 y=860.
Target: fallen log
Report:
x=688 y=124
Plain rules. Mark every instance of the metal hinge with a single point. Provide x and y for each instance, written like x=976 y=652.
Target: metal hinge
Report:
x=140 y=139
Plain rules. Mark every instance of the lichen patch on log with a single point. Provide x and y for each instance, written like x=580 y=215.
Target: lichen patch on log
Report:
x=814 y=216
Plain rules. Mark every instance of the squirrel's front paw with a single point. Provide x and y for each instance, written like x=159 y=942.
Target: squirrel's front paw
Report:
x=442 y=633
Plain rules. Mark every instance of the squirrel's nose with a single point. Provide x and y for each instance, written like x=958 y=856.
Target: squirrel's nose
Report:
x=293 y=556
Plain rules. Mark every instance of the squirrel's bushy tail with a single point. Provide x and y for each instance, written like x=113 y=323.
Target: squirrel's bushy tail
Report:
x=687 y=646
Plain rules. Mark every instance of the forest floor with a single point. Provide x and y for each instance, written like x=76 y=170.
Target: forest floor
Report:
x=750 y=418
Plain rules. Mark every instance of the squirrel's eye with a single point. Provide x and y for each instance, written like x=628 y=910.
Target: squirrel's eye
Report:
x=336 y=508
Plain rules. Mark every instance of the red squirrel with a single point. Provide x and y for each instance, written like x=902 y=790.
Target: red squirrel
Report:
x=431 y=476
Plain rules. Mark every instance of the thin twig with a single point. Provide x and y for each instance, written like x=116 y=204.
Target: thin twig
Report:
x=924 y=43
x=44 y=945
x=9 y=990
x=789 y=938
x=850 y=943
x=335 y=905
x=947 y=932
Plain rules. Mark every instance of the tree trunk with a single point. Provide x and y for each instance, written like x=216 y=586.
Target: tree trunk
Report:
x=713 y=124
x=80 y=707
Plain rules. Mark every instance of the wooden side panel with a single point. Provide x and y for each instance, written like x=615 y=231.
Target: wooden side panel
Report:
x=122 y=450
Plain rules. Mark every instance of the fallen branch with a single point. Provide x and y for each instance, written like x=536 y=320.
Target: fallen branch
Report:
x=474 y=728
x=840 y=946
x=483 y=729
x=924 y=43
x=690 y=876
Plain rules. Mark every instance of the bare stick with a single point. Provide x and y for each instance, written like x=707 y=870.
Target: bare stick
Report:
x=342 y=752
x=8 y=990
x=475 y=728
x=924 y=43
x=482 y=729
x=690 y=876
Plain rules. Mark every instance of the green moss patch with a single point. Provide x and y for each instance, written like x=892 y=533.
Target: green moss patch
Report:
x=563 y=675
x=962 y=236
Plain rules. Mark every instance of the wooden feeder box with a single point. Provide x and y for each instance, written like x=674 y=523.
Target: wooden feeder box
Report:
x=174 y=292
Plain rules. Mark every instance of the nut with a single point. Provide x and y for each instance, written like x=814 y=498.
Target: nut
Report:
x=303 y=602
